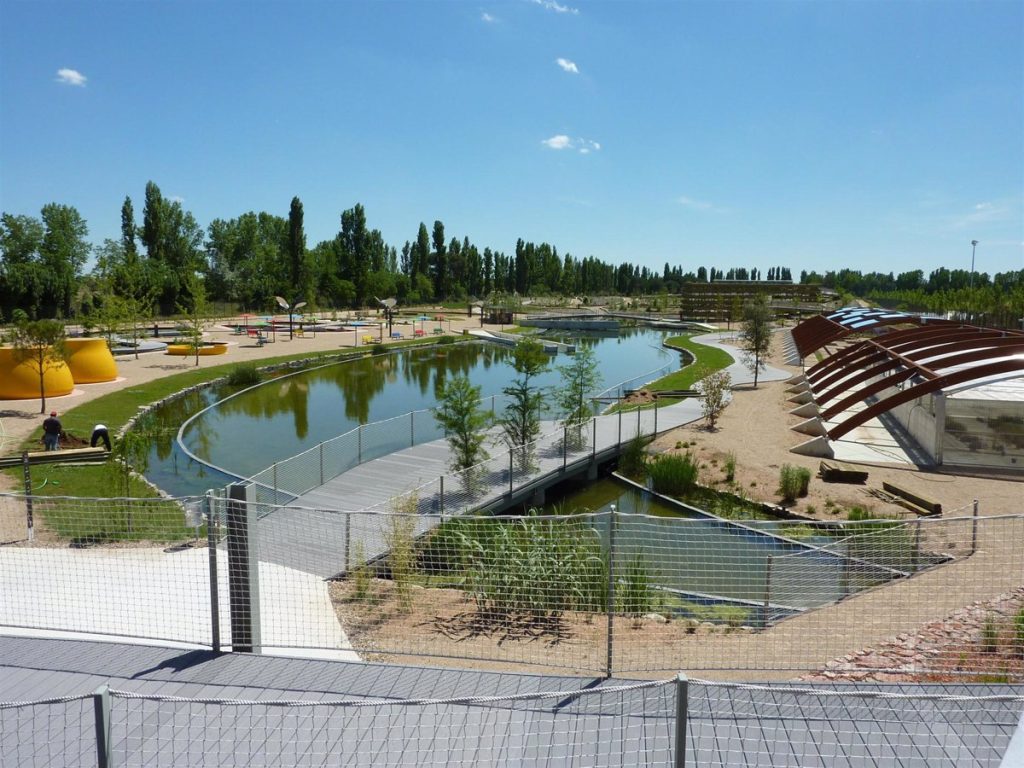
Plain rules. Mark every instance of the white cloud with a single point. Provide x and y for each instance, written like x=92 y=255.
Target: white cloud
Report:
x=71 y=77
x=983 y=213
x=561 y=141
x=487 y=18
x=553 y=5
x=696 y=205
x=567 y=66
x=176 y=199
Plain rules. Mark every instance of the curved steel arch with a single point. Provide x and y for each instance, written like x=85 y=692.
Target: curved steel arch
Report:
x=924 y=388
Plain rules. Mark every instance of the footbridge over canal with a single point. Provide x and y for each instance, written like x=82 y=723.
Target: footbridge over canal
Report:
x=314 y=505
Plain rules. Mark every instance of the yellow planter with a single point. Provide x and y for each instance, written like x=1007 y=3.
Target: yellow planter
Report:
x=210 y=348
x=21 y=381
x=90 y=361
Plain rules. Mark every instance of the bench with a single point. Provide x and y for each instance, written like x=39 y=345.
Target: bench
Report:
x=396 y=335
x=367 y=339
x=438 y=331
x=418 y=333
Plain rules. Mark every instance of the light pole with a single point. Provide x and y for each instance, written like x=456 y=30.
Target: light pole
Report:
x=291 y=311
x=970 y=281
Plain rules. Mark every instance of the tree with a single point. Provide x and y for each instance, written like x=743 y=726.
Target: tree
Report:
x=579 y=380
x=128 y=232
x=195 y=311
x=440 y=265
x=62 y=254
x=40 y=344
x=299 y=279
x=756 y=334
x=520 y=421
x=463 y=421
x=714 y=390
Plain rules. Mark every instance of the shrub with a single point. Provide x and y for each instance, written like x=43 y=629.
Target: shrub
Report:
x=634 y=590
x=360 y=574
x=793 y=482
x=378 y=349
x=672 y=474
x=730 y=466
x=400 y=539
x=633 y=461
x=989 y=636
x=244 y=375
x=536 y=566
x=446 y=340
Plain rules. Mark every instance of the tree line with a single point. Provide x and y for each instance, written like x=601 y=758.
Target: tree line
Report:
x=248 y=260
x=992 y=300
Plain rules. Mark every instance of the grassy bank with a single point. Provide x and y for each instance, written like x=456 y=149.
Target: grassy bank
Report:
x=116 y=408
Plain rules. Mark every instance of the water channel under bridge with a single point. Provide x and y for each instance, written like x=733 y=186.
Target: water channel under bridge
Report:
x=302 y=525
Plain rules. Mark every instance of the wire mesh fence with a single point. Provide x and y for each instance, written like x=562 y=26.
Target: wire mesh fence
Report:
x=611 y=593
x=663 y=722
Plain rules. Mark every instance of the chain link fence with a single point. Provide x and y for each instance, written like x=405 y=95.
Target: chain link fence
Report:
x=604 y=593
x=664 y=722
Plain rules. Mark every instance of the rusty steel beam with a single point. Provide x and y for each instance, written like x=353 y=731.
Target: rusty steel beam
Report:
x=924 y=388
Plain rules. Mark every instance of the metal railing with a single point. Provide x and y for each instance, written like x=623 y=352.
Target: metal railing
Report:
x=677 y=722
x=606 y=593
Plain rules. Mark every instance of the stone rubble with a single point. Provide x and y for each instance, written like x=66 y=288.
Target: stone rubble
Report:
x=909 y=656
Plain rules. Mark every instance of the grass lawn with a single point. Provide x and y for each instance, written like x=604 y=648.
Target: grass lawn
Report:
x=114 y=410
x=706 y=360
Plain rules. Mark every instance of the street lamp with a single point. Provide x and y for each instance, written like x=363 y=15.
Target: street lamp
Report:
x=970 y=281
x=291 y=311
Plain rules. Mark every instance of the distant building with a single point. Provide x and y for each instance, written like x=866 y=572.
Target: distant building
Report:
x=722 y=300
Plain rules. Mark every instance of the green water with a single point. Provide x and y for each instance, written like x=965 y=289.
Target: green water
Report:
x=288 y=415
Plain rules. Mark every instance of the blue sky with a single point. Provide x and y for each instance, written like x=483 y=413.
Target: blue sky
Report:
x=870 y=135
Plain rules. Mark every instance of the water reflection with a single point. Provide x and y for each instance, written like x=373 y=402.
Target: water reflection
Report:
x=292 y=413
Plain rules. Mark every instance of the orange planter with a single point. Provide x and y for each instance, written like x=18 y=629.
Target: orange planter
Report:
x=90 y=361
x=21 y=381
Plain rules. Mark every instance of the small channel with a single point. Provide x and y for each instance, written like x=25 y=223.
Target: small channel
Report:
x=702 y=561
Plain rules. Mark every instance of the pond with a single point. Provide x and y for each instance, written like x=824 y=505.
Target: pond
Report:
x=704 y=562
x=291 y=413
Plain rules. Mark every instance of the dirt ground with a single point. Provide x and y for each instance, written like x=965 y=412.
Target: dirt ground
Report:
x=756 y=429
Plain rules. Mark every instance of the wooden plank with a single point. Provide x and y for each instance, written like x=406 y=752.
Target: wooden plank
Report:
x=928 y=506
x=837 y=472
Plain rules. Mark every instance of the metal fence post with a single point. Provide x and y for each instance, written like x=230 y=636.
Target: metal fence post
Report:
x=442 y=496
x=611 y=591
x=243 y=571
x=359 y=438
x=27 y=473
x=655 y=432
x=682 y=707
x=565 y=448
x=211 y=556
x=275 y=482
x=637 y=420
x=321 y=463
x=593 y=446
x=767 y=590
x=620 y=423
x=510 y=471
x=348 y=540
x=974 y=528
x=917 y=544
x=101 y=710
x=412 y=428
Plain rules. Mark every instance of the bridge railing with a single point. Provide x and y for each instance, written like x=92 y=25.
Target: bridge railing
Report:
x=289 y=478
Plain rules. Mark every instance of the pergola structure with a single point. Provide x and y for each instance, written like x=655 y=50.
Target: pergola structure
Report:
x=814 y=333
x=893 y=368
